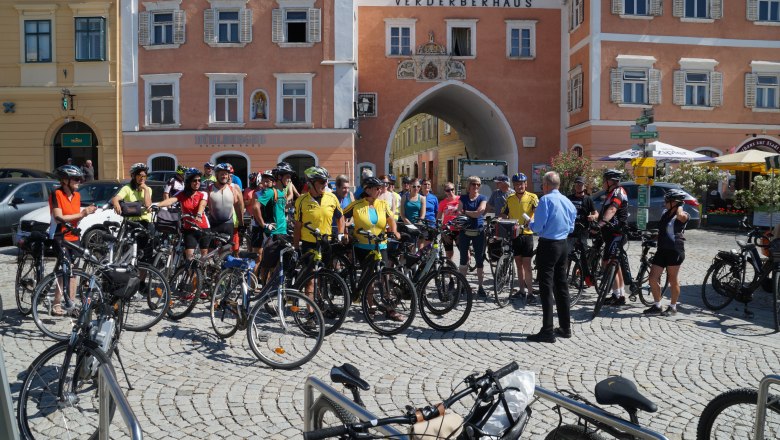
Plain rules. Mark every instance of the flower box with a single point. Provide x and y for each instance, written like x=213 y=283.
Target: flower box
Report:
x=728 y=220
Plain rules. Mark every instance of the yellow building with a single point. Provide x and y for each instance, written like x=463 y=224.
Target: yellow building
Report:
x=59 y=70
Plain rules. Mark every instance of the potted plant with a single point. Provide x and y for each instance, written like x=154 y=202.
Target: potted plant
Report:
x=763 y=198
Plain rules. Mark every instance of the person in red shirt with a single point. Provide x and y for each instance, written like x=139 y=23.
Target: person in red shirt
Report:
x=448 y=210
x=65 y=207
x=193 y=202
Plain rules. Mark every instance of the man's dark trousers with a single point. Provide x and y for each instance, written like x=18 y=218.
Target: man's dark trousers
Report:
x=551 y=262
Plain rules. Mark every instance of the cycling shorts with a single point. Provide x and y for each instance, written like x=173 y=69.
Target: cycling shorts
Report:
x=613 y=245
x=194 y=238
x=227 y=229
x=668 y=257
x=523 y=246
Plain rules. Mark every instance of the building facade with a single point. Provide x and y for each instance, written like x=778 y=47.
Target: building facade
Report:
x=247 y=82
x=58 y=85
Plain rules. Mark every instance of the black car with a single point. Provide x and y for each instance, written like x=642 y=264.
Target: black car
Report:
x=6 y=173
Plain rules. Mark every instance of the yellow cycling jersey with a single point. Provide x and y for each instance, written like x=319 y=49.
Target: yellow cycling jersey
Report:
x=517 y=205
x=319 y=214
x=361 y=215
x=127 y=194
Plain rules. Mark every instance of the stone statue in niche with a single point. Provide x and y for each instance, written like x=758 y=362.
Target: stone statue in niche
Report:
x=259 y=106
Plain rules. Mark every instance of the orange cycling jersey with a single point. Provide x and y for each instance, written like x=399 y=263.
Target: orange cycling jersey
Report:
x=69 y=206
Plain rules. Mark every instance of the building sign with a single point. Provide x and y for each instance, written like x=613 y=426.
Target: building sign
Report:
x=760 y=142
x=458 y=3
x=233 y=140
x=71 y=140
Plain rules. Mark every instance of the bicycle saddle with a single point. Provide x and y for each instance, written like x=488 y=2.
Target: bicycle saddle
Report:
x=248 y=255
x=745 y=246
x=38 y=237
x=348 y=375
x=618 y=390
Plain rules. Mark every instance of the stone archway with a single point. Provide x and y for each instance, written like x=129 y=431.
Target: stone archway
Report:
x=77 y=141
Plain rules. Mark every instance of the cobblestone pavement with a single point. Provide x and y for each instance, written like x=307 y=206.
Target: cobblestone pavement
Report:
x=189 y=384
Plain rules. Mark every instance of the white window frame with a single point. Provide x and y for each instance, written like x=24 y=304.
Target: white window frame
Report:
x=645 y=83
x=705 y=84
x=647 y=9
x=230 y=23
x=574 y=20
x=447 y=128
x=758 y=12
x=162 y=7
x=765 y=68
x=304 y=5
x=153 y=24
x=576 y=93
x=227 y=6
x=776 y=87
x=399 y=23
x=637 y=62
x=220 y=78
x=305 y=21
x=706 y=19
x=520 y=25
x=463 y=23
x=281 y=79
x=161 y=78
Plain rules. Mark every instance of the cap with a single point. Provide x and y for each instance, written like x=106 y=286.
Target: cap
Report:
x=579 y=179
x=501 y=178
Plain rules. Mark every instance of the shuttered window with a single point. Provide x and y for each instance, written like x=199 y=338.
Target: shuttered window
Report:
x=698 y=9
x=697 y=89
x=769 y=10
x=767 y=91
x=226 y=26
x=635 y=86
x=161 y=28
x=297 y=26
x=635 y=7
x=576 y=14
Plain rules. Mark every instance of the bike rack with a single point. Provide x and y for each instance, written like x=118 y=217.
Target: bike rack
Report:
x=108 y=389
x=597 y=414
x=8 y=427
x=351 y=407
x=763 y=394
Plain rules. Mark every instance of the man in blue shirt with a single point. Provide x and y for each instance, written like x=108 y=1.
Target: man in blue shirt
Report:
x=553 y=221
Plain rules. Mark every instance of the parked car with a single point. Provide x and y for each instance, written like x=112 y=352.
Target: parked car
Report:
x=20 y=196
x=6 y=173
x=98 y=192
x=657 y=192
x=162 y=176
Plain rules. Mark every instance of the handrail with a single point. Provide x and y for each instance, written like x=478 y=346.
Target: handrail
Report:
x=8 y=427
x=763 y=394
x=597 y=414
x=351 y=407
x=107 y=382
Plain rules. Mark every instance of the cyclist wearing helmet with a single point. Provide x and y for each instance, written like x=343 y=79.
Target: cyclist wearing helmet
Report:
x=448 y=210
x=65 y=207
x=318 y=208
x=291 y=192
x=193 y=203
x=270 y=215
x=586 y=213
x=208 y=172
x=671 y=251
x=135 y=191
x=226 y=204
x=613 y=220
x=235 y=180
x=175 y=183
x=519 y=206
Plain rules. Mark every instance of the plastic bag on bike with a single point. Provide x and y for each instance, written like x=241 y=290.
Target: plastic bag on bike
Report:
x=518 y=393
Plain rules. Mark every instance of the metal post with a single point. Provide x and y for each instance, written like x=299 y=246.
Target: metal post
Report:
x=108 y=390
x=8 y=428
x=763 y=395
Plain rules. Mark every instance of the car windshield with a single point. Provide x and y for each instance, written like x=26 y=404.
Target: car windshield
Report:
x=5 y=189
x=98 y=193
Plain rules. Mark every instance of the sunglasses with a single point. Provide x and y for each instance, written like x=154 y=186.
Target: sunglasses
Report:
x=141 y=175
x=476 y=184
x=195 y=181
x=416 y=186
x=449 y=189
x=77 y=179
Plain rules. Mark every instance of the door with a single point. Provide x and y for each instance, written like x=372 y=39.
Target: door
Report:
x=240 y=167
x=78 y=142
x=299 y=163
x=27 y=198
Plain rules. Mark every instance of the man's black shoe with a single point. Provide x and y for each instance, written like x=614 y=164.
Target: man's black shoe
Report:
x=561 y=333
x=541 y=337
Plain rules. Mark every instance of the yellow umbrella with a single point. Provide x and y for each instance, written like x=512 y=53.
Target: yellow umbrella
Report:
x=750 y=160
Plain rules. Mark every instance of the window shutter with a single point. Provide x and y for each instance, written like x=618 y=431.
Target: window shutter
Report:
x=679 y=87
x=617 y=7
x=579 y=98
x=616 y=80
x=752 y=10
x=678 y=8
x=716 y=89
x=581 y=11
x=208 y=26
x=570 y=99
x=314 y=25
x=751 y=79
x=654 y=86
x=179 y=20
x=716 y=9
x=656 y=8
x=143 y=28
x=245 y=35
x=277 y=26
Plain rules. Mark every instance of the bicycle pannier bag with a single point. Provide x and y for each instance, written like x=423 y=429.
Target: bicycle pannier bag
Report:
x=131 y=209
x=122 y=282
x=168 y=220
x=507 y=229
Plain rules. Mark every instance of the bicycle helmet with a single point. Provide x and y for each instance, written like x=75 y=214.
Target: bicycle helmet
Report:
x=181 y=169
x=230 y=169
x=391 y=178
x=208 y=165
x=675 y=195
x=267 y=173
x=191 y=173
x=317 y=173
x=222 y=167
x=69 y=172
x=460 y=222
x=254 y=179
x=283 y=168
x=372 y=182
x=613 y=175
x=138 y=167
x=519 y=177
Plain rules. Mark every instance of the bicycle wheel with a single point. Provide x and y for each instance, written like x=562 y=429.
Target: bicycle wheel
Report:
x=732 y=415
x=225 y=303
x=147 y=306
x=725 y=283
x=573 y=432
x=576 y=280
x=776 y=283
x=53 y=320
x=445 y=299
x=503 y=278
x=186 y=285
x=605 y=286
x=42 y=414
x=593 y=260
x=389 y=302
x=331 y=295
x=163 y=262
x=26 y=280
x=285 y=337
x=326 y=413
x=642 y=285
x=94 y=242
x=345 y=269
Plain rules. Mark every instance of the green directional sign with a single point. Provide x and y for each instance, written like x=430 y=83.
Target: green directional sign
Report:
x=642 y=120
x=641 y=219
x=642 y=198
x=645 y=135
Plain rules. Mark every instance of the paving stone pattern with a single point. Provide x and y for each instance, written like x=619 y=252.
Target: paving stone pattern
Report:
x=189 y=384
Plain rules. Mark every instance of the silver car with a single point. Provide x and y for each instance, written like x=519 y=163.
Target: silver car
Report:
x=657 y=192
x=20 y=196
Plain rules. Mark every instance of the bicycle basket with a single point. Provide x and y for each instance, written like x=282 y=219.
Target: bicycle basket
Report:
x=122 y=282
x=168 y=220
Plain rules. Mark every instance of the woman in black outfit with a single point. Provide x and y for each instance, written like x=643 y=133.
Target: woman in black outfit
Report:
x=670 y=252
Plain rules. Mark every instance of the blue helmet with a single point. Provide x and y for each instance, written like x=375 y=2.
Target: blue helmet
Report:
x=223 y=167
x=519 y=177
x=191 y=174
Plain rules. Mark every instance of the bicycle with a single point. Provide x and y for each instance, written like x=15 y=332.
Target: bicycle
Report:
x=742 y=413
x=728 y=275
x=499 y=254
x=640 y=286
x=607 y=276
x=31 y=267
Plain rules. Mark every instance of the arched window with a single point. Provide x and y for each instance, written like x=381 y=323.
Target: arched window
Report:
x=709 y=152
x=577 y=149
x=258 y=106
x=162 y=163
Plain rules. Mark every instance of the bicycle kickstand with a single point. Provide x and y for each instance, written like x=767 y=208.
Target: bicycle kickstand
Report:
x=122 y=365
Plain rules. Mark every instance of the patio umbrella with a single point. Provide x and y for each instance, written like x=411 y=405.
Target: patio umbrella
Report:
x=663 y=152
x=750 y=160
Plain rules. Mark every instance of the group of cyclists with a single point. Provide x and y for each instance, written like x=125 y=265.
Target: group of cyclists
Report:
x=213 y=200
